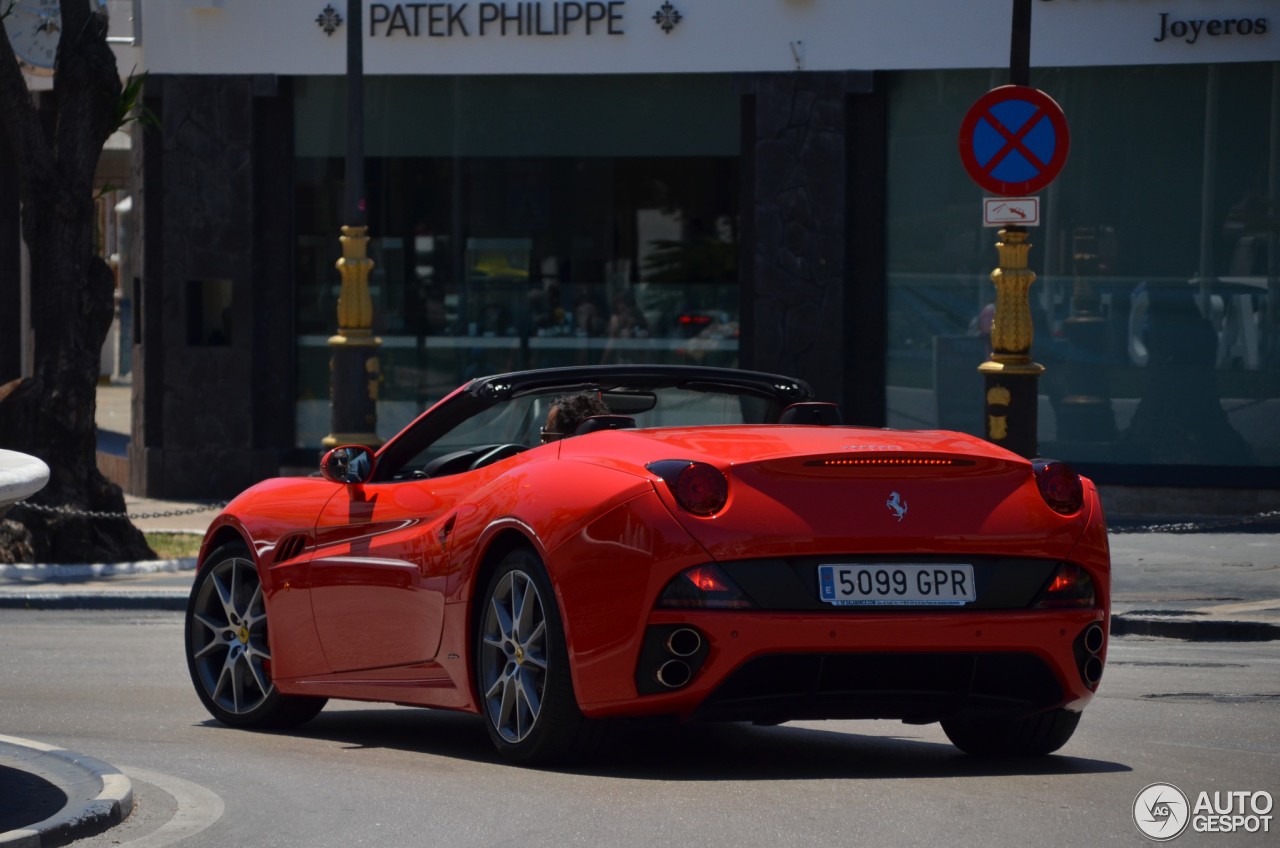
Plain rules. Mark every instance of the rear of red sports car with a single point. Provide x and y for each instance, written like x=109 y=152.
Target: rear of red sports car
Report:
x=692 y=555
x=791 y=573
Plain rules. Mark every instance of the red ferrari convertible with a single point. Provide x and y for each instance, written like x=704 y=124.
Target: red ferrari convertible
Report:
x=709 y=545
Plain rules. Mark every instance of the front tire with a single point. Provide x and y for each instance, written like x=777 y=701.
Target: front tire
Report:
x=1031 y=736
x=522 y=667
x=228 y=650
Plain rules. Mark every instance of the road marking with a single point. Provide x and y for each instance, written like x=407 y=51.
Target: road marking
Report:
x=198 y=809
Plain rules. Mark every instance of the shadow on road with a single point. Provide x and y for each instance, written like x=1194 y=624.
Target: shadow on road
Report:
x=645 y=751
x=26 y=799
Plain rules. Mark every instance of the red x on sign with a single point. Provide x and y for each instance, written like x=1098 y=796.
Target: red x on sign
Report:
x=1014 y=140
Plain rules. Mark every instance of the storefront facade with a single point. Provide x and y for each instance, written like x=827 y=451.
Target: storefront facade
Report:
x=770 y=185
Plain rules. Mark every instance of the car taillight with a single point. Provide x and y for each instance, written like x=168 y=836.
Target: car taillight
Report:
x=1071 y=587
x=703 y=587
x=698 y=487
x=1060 y=485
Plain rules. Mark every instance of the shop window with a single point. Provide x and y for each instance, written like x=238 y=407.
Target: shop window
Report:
x=1155 y=301
x=604 y=230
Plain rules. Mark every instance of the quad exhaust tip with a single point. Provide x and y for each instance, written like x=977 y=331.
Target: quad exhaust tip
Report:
x=674 y=673
x=684 y=642
x=1092 y=671
x=1093 y=639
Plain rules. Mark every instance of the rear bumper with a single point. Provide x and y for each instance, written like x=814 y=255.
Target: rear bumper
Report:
x=773 y=667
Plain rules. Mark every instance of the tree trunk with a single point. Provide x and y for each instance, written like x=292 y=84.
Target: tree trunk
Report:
x=51 y=414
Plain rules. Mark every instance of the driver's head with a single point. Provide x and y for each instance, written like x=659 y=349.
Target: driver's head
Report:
x=568 y=411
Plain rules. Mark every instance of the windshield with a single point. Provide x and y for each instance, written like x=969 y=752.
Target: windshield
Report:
x=441 y=444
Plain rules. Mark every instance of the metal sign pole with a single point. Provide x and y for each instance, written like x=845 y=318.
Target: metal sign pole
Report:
x=1020 y=44
x=355 y=373
x=1011 y=379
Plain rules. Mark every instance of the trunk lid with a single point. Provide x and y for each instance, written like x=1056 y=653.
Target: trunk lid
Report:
x=808 y=490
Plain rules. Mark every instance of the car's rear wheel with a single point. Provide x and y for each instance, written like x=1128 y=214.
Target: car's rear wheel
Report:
x=522 y=667
x=228 y=652
x=1030 y=736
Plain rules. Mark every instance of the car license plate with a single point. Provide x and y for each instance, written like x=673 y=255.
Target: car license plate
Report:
x=907 y=584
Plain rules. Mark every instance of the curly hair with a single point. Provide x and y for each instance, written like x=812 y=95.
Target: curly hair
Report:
x=573 y=409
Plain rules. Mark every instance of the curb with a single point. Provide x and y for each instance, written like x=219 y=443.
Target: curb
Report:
x=153 y=601
x=41 y=573
x=79 y=818
x=45 y=593
x=1193 y=630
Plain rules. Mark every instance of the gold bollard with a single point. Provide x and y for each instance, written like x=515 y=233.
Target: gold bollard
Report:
x=354 y=368
x=1011 y=378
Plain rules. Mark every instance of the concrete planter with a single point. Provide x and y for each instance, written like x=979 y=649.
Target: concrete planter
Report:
x=21 y=476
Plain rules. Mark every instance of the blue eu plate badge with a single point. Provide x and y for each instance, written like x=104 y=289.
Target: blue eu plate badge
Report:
x=828 y=584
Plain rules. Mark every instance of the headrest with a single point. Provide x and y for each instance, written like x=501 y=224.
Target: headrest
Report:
x=604 y=422
x=810 y=412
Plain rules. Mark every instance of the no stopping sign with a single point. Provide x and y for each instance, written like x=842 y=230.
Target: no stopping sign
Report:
x=1014 y=140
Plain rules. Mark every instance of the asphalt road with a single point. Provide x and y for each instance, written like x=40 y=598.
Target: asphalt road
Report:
x=113 y=685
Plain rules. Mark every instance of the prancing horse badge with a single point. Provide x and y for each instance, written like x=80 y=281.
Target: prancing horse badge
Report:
x=897 y=504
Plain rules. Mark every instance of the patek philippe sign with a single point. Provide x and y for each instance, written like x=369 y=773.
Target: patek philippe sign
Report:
x=519 y=19
x=450 y=20
x=466 y=37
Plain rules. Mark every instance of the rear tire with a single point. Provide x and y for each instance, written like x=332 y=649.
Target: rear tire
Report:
x=1032 y=736
x=228 y=649
x=522 y=668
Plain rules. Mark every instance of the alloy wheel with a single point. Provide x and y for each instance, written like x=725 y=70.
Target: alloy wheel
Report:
x=228 y=637
x=513 y=656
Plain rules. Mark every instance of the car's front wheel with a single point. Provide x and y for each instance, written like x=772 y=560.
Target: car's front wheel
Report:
x=522 y=667
x=1030 y=736
x=228 y=652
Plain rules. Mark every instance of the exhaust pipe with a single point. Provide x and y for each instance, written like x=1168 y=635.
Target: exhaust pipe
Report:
x=684 y=642
x=1093 y=639
x=670 y=658
x=674 y=673
x=1092 y=671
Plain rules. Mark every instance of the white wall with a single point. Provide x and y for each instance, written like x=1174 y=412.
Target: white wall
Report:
x=283 y=36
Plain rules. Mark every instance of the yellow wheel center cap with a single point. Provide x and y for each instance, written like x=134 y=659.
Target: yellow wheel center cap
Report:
x=519 y=655
x=243 y=635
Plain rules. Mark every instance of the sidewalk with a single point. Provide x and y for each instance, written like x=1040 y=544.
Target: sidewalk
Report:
x=1200 y=586
x=161 y=584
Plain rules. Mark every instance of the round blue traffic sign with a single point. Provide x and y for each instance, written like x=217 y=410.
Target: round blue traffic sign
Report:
x=1014 y=140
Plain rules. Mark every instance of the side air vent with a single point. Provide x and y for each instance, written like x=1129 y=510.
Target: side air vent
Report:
x=290 y=546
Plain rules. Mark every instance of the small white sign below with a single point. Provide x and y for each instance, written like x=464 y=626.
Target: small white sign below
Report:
x=1001 y=211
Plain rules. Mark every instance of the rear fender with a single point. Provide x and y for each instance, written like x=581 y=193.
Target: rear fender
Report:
x=607 y=577
x=541 y=502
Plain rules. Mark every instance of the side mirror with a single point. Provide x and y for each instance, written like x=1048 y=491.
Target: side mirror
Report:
x=347 y=464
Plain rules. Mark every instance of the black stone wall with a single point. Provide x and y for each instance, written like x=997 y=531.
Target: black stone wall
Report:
x=813 y=210
x=213 y=399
